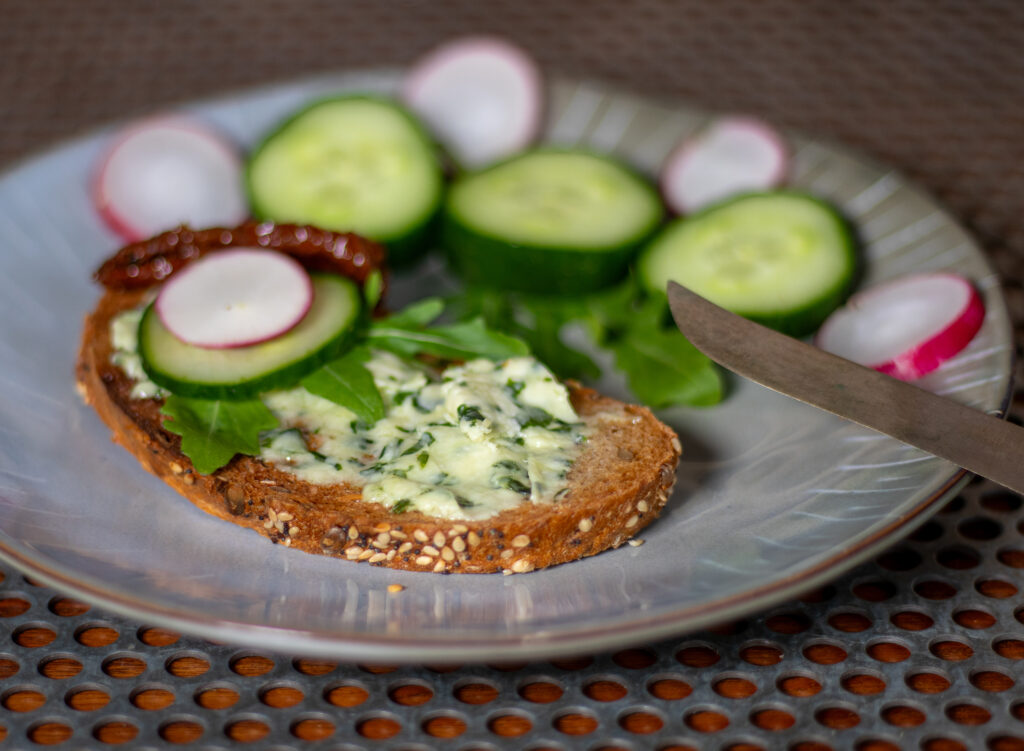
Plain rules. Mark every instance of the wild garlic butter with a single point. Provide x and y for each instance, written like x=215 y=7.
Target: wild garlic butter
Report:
x=124 y=339
x=481 y=438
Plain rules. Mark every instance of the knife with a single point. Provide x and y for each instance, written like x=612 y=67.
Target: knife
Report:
x=980 y=443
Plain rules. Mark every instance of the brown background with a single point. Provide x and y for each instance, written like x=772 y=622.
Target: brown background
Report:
x=916 y=649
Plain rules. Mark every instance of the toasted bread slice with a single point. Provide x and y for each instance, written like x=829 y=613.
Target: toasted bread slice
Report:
x=617 y=486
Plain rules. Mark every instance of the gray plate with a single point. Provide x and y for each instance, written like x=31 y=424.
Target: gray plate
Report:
x=773 y=497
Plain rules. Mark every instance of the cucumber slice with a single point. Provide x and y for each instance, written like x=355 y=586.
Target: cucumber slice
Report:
x=549 y=221
x=784 y=259
x=352 y=164
x=188 y=370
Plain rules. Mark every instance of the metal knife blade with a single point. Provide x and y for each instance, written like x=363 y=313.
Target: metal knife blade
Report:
x=983 y=444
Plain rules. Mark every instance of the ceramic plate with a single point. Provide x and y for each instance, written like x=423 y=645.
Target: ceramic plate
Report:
x=773 y=497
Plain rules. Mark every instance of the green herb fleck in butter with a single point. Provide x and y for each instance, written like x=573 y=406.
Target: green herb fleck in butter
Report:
x=481 y=438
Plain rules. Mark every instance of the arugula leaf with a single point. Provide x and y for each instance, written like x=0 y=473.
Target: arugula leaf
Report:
x=417 y=314
x=538 y=321
x=548 y=346
x=214 y=430
x=661 y=366
x=456 y=341
x=347 y=381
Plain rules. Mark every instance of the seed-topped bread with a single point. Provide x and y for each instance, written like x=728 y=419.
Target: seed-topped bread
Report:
x=618 y=482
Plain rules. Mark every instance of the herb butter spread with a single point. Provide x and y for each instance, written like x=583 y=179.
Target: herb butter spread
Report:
x=481 y=438
x=124 y=339
x=467 y=443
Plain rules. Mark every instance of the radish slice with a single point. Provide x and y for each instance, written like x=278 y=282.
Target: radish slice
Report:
x=235 y=298
x=169 y=171
x=733 y=155
x=906 y=327
x=481 y=96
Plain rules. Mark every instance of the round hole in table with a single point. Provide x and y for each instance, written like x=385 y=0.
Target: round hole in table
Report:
x=540 y=689
x=34 y=635
x=312 y=727
x=88 y=697
x=152 y=697
x=669 y=687
x=734 y=686
x=65 y=607
x=410 y=693
x=13 y=604
x=445 y=725
x=799 y=684
x=281 y=694
x=697 y=655
x=1000 y=501
x=761 y=653
x=217 y=695
x=980 y=528
x=115 y=731
x=251 y=665
x=153 y=636
x=312 y=667
x=874 y=590
x=475 y=691
x=346 y=694
x=49 y=732
x=124 y=665
x=992 y=680
x=641 y=720
x=863 y=682
x=951 y=649
x=996 y=588
x=247 y=728
x=904 y=715
x=97 y=634
x=60 y=666
x=928 y=682
x=576 y=722
x=510 y=724
x=775 y=718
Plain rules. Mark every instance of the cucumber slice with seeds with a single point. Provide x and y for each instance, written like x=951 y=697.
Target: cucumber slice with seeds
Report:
x=351 y=164
x=785 y=259
x=188 y=370
x=549 y=221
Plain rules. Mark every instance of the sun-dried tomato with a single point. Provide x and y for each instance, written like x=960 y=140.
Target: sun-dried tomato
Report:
x=148 y=262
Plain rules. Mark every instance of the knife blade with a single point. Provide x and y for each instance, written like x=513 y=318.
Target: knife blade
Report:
x=984 y=444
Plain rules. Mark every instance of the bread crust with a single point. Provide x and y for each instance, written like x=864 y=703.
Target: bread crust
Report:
x=618 y=485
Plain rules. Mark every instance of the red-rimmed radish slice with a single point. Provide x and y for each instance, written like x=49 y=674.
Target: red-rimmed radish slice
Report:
x=732 y=155
x=481 y=96
x=163 y=172
x=906 y=327
x=235 y=298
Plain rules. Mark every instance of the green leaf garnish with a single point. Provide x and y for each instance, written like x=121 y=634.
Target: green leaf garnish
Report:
x=661 y=366
x=417 y=314
x=214 y=430
x=538 y=321
x=347 y=381
x=457 y=341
